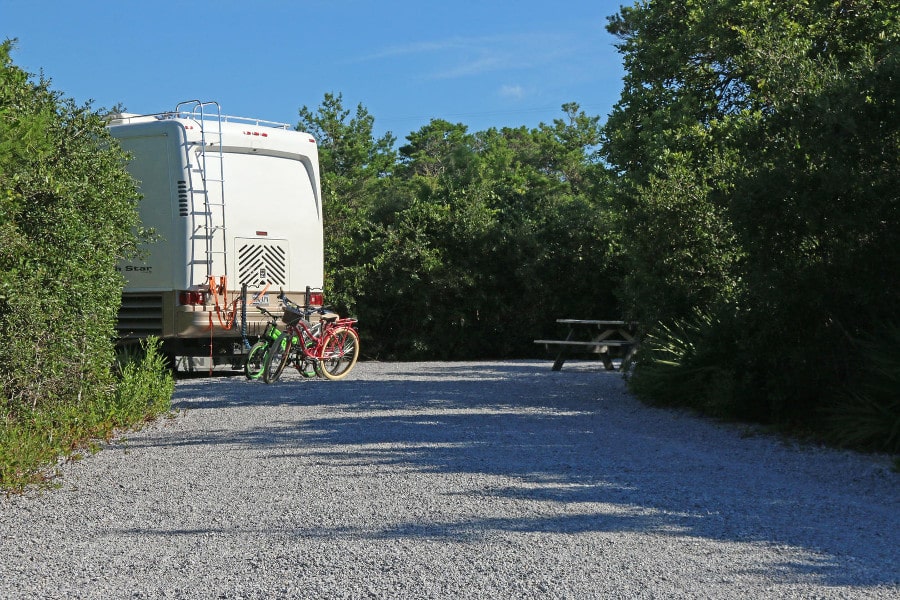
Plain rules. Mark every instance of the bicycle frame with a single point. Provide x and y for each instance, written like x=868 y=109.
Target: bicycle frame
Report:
x=305 y=333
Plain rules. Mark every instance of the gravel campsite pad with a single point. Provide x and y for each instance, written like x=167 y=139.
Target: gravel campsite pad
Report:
x=452 y=480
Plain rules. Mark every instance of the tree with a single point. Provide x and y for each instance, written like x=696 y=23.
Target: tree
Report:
x=757 y=148
x=445 y=248
x=67 y=215
x=491 y=230
x=351 y=159
x=354 y=165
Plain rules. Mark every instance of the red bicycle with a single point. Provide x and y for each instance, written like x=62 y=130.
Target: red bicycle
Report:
x=330 y=346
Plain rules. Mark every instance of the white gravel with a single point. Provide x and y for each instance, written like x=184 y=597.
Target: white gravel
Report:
x=452 y=480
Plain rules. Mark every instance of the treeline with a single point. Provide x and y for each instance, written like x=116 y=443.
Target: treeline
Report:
x=458 y=244
x=741 y=202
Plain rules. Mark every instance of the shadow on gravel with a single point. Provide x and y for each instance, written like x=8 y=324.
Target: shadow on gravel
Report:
x=577 y=453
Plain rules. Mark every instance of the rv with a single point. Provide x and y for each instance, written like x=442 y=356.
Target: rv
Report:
x=234 y=207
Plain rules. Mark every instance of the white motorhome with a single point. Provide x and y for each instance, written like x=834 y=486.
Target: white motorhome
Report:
x=236 y=209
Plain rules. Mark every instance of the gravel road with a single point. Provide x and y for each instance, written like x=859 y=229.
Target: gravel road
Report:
x=452 y=480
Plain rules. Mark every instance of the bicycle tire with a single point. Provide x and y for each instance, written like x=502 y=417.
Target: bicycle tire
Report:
x=340 y=350
x=255 y=362
x=277 y=359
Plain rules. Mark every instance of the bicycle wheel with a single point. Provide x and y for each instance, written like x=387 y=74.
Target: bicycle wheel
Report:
x=340 y=349
x=255 y=362
x=277 y=360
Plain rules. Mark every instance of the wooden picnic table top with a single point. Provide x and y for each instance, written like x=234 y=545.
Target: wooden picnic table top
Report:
x=591 y=322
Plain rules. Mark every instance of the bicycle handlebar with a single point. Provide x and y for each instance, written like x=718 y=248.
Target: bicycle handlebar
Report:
x=306 y=309
x=267 y=313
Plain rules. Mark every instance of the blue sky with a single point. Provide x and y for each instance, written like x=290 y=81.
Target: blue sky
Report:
x=483 y=63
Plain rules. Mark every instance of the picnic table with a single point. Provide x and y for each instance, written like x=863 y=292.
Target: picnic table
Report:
x=595 y=336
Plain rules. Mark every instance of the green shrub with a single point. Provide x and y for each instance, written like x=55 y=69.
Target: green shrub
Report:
x=33 y=441
x=145 y=386
x=683 y=364
x=67 y=216
x=868 y=416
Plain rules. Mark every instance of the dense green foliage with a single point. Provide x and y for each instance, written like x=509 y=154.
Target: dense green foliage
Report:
x=67 y=212
x=745 y=211
x=463 y=245
x=67 y=215
x=757 y=144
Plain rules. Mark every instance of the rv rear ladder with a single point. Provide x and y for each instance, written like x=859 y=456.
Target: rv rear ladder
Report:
x=213 y=244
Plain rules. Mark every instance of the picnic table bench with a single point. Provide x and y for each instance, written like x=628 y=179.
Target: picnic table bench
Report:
x=594 y=336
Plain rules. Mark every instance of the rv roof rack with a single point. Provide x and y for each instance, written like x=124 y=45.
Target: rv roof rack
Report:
x=130 y=117
x=225 y=119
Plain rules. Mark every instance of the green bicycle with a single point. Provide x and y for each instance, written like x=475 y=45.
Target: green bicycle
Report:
x=255 y=362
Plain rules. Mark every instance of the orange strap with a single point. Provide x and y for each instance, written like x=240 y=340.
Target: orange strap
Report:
x=226 y=318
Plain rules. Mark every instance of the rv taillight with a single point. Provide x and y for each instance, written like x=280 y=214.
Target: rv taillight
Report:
x=191 y=298
x=316 y=299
